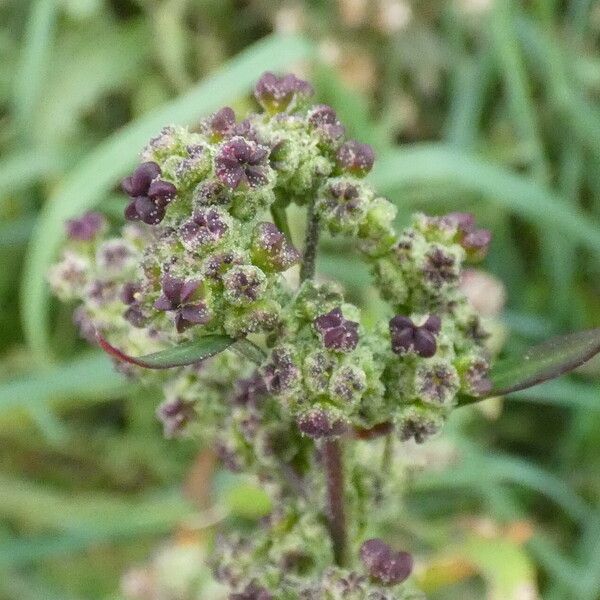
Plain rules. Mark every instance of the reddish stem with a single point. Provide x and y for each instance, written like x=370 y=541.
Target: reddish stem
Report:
x=336 y=512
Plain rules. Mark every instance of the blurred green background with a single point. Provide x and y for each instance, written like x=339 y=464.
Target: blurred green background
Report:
x=483 y=105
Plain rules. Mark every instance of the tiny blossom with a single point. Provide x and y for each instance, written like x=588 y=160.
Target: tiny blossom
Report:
x=242 y=162
x=337 y=333
x=436 y=383
x=324 y=119
x=175 y=415
x=212 y=192
x=244 y=284
x=356 y=158
x=271 y=250
x=85 y=228
x=150 y=195
x=216 y=265
x=178 y=296
x=440 y=267
x=207 y=226
x=276 y=94
x=320 y=423
x=252 y=592
x=408 y=337
x=418 y=423
x=342 y=203
x=115 y=255
x=281 y=372
x=474 y=240
x=221 y=123
x=384 y=564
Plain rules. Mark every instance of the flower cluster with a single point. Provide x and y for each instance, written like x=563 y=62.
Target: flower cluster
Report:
x=201 y=254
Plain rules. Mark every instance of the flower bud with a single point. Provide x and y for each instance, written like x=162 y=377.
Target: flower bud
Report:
x=348 y=384
x=436 y=383
x=86 y=227
x=271 y=250
x=278 y=94
x=281 y=373
x=376 y=231
x=220 y=124
x=384 y=564
x=408 y=337
x=418 y=423
x=355 y=158
x=244 y=284
x=242 y=162
x=320 y=422
x=342 y=204
x=337 y=333
x=212 y=192
x=175 y=414
x=207 y=227
x=324 y=121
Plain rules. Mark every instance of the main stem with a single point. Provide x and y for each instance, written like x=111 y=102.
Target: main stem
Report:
x=331 y=455
x=331 y=450
x=311 y=240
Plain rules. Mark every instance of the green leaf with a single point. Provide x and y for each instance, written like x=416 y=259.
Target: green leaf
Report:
x=546 y=361
x=98 y=172
x=181 y=355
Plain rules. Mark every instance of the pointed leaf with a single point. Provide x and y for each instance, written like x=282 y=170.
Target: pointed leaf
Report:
x=550 y=359
x=181 y=355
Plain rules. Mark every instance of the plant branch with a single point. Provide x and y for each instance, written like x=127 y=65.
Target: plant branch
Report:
x=336 y=512
x=307 y=269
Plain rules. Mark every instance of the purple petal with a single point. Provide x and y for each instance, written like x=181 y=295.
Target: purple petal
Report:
x=163 y=303
x=188 y=289
x=142 y=178
x=171 y=287
x=433 y=324
x=130 y=212
x=330 y=320
x=198 y=314
x=424 y=343
x=162 y=191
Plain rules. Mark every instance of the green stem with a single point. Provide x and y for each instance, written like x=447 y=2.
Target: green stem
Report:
x=307 y=269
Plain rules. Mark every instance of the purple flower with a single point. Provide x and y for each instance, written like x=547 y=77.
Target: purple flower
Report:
x=86 y=227
x=384 y=564
x=474 y=240
x=207 y=226
x=324 y=120
x=440 y=267
x=242 y=161
x=436 y=383
x=408 y=337
x=356 y=158
x=275 y=94
x=222 y=123
x=134 y=313
x=179 y=296
x=150 y=195
x=271 y=250
x=216 y=265
x=281 y=372
x=318 y=423
x=175 y=415
x=244 y=284
x=336 y=332
x=343 y=200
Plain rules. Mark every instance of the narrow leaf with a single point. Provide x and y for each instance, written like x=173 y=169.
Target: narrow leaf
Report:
x=550 y=359
x=177 y=356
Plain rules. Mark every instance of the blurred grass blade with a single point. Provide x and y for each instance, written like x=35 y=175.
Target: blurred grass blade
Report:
x=98 y=172
x=91 y=376
x=188 y=353
x=34 y=57
x=546 y=361
x=422 y=164
x=19 y=170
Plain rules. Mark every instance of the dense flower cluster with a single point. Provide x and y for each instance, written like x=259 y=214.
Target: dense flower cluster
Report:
x=200 y=255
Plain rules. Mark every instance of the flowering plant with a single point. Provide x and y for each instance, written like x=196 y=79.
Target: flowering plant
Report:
x=282 y=376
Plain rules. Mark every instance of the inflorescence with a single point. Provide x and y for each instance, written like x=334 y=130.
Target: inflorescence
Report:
x=200 y=255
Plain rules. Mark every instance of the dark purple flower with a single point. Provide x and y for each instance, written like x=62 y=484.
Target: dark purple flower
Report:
x=244 y=284
x=324 y=119
x=343 y=200
x=86 y=227
x=271 y=250
x=436 y=383
x=474 y=240
x=408 y=337
x=476 y=377
x=180 y=296
x=222 y=123
x=252 y=592
x=249 y=391
x=175 y=415
x=207 y=226
x=318 y=423
x=384 y=564
x=440 y=267
x=240 y=161
x=356 y=158
x=150 y=196
x=275 y=94
x=281 y=372
x=337 y=333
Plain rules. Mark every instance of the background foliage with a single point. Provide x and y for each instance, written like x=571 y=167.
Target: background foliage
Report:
x=484 y=105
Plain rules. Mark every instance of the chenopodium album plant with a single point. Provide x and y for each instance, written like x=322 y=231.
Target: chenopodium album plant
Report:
x=286 y=381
